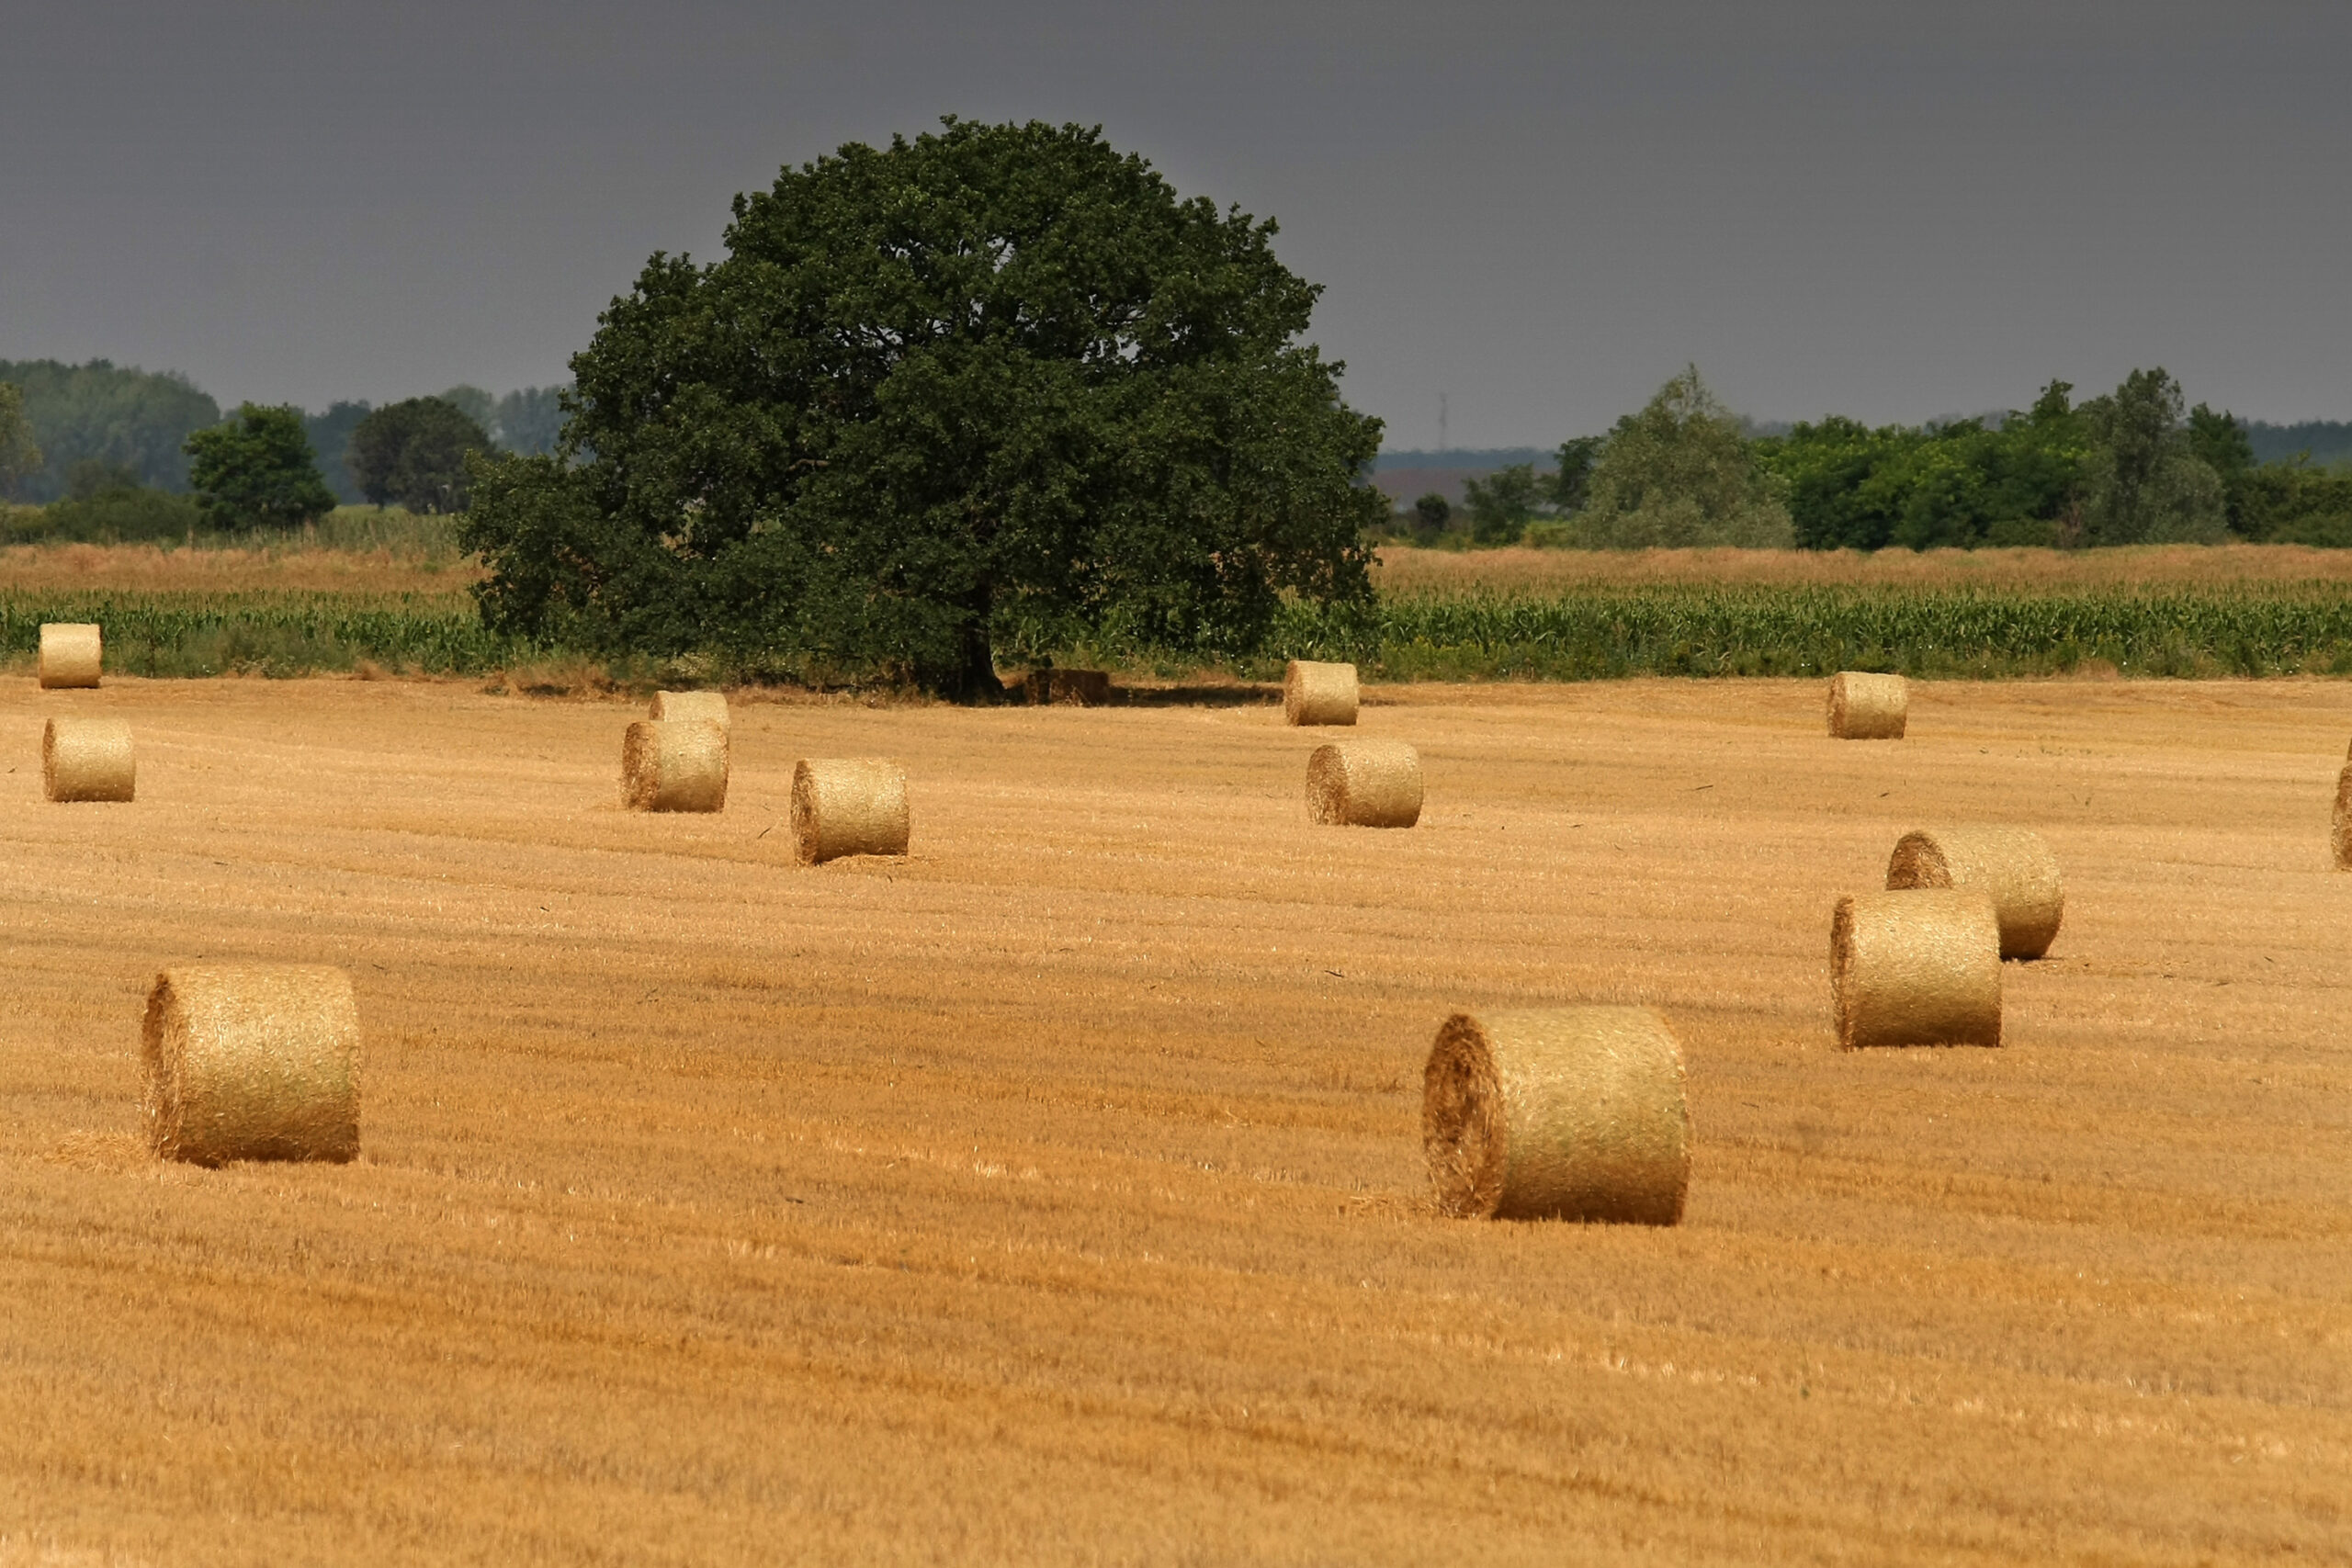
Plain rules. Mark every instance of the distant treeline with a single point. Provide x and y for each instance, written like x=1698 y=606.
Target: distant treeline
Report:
x=114 y=423
x=2133 y=466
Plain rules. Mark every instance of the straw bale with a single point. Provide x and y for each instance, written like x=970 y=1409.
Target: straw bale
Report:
x=674 y=765
x=1319 y=693
x=72 y=653
x=2011 y=864
x=711 y=705
x=1081 y=688
x=251 y=1061
x=1917 y=967
x=1570 y=1113
x=1365 y=784
x=1867 y=707
x=2340 y=832
x=88 y=759
x=855 y=806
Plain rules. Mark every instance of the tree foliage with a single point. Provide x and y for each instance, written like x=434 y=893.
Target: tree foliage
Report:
x=1502 y=504
x=19 y=453
x=112 y=413
x=414 y=453
x=1680 y=472
x=2143 y=483
x=993 y=389
x=1965 y=483
x=257 y=470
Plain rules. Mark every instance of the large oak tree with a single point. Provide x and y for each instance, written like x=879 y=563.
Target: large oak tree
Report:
x=994 y=388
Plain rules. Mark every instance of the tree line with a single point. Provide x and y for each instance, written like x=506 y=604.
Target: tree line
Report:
x=117 y=453
x=2133 y=466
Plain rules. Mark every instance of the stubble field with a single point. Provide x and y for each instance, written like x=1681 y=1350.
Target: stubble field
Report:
x=1056 y=1194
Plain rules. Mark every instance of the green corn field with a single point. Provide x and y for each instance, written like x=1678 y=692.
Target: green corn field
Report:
x=2250 y=628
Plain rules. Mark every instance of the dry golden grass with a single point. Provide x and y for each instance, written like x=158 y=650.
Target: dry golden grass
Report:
x=148 y=568
x=1056 y=1195
x=1405 y=569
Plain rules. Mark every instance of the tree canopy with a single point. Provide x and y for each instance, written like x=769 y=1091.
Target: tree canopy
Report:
x=257 y=470
x=1680 y=472
x=414 y=453
x=989 y=390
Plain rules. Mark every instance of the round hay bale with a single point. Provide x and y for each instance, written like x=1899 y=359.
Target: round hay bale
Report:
x=855 y=806
x=251 y=1061
x=711 y=705
x=1867 y=707
x=72 y=653
x=2340 y=830
x=1365 y=784
x=88 y=759
x=1568 y=1113
x=674 y=765
x=1319 y=693
x=2011 y=864
x=1917 y=967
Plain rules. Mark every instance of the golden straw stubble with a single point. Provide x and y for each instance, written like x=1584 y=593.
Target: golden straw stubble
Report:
x=848 y=805
x=1365 y=784
x=72 y=653
x=88 y=759
x=2010 y=864
x=1917 y=967
x=1568 y=1113
x=674 y=765
x=251 y=1061
x=1319 y=693
x=1867 y=707
x=711 y=705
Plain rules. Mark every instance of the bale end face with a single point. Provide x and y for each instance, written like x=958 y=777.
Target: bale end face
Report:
x=1570 y=1113
x=672 y=705
x=1319 y=693
x=72 y=653
x=1365 y=784
x=88 y=759
x=2340 y=828
x=1916 y=967
x=251 y=1061
x=848 y=806
x=674 y=765
x=1867 y=707
x=2010 y=865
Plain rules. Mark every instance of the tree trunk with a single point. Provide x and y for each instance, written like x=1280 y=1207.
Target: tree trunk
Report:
x=977 y=682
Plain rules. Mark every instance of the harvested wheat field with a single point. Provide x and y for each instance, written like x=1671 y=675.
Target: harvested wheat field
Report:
x=1055 y=1193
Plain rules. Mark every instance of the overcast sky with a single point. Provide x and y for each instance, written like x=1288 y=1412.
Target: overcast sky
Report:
x=1540 y=211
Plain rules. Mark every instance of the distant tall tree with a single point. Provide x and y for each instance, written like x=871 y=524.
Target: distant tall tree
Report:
x=1574 y=474
x=257 y=470
x=2144 y=483
x=529 y=421
x=1502 y=504
x=329 y=435
x=1430 y=514
x=476 y=405
x=115 y=413
x=1680 y=473
x=19 y=454
x=414 y=453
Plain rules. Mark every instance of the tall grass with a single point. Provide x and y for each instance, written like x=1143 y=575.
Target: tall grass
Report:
x=266 y=634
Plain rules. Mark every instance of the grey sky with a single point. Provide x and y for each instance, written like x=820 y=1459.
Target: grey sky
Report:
x=1894 y=211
